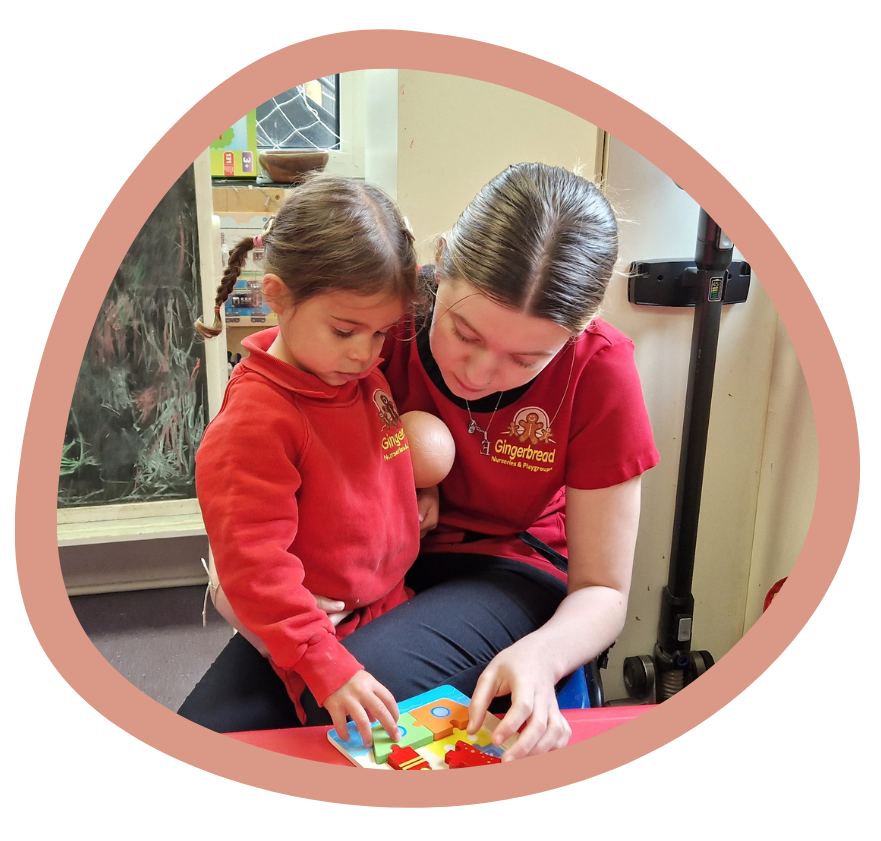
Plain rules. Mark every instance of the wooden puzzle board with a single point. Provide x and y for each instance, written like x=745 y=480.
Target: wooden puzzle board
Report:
x=432 y=723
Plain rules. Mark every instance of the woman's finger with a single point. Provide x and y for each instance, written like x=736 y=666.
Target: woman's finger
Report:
x=484 y=692
x=329 y=605
x=556 y=736
x=529 y=737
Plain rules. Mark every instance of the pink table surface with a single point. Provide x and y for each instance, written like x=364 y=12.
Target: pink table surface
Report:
x=311 y=742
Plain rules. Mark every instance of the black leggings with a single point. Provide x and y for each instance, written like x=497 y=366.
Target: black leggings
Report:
x=467 y=609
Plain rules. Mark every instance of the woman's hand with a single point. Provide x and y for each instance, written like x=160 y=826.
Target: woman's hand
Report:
x=601 y=528
x=525 y=671
x=363 y=699
x=428 y=501
x=335 y=609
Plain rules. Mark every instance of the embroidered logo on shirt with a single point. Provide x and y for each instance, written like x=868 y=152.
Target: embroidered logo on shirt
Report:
x=388 y=412
x=394 y=441
x=532 y=425
x=532 y=432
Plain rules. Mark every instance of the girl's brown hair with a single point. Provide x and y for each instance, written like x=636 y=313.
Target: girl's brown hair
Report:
x=539 y=239
x=332 y=234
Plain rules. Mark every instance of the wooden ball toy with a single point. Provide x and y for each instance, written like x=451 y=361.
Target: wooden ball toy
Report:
x=432 y=449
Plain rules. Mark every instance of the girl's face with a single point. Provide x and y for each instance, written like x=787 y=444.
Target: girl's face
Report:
x=337 y=336
x=482 y=347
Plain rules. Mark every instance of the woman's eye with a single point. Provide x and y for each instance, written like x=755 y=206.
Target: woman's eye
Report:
x=343 y=334
x=462 y=338
x=523 y=364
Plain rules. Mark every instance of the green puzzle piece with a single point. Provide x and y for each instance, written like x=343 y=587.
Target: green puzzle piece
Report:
x=414 y=737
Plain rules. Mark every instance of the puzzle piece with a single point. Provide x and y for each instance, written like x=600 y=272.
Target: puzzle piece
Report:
x=444 y=707
x=412 y=736
x=465 y=755
x=355 y=747
x=406 y=759
x=441 y=717
x=441 y=746
x=491 y=749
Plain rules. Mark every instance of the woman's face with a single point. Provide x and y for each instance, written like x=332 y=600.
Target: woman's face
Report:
x=482 y=347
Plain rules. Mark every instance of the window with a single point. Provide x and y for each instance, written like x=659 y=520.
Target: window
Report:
x=140 y=404
x=305 y=117
x=146 y=386
x=326 y=113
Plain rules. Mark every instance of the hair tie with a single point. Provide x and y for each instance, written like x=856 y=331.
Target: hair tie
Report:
x=267 y=227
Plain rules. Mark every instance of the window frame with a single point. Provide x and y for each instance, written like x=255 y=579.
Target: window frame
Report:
x=368 y=150
x=348 y=160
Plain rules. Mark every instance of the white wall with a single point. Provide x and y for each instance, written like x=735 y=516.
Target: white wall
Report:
x=454 y=135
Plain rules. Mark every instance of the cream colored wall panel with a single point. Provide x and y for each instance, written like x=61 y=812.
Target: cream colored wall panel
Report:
x=732 y=472
x=789 y=477
x=455 y=134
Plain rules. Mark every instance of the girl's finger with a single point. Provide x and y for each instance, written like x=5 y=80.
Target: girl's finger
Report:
x=514 y=719
x=339 y=723
x=362 y=722
x=384 y=716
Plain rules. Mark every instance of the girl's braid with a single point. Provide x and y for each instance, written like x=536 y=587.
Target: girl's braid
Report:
x=231 y=274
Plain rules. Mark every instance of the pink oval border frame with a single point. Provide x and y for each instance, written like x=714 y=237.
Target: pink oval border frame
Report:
x=101 y=686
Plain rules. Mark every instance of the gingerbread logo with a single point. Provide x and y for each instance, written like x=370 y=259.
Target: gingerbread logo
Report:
x=388 y=412
x=531 y=425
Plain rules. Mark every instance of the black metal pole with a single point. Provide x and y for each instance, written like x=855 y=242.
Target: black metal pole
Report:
x=712 y=258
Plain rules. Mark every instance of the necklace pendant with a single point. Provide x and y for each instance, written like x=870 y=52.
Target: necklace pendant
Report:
x=473 y=427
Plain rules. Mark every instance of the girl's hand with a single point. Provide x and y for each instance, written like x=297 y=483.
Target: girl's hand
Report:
x=524 y=671
x=428 y=501
x=335 y=610
x=363 y=699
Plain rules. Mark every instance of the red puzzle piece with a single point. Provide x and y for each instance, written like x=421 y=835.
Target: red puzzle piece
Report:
x=406 y=759
x=464 y=755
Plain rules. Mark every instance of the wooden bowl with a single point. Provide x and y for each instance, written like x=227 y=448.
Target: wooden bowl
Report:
x=290 y=165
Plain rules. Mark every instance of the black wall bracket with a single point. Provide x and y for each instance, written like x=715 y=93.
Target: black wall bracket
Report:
x=668 y=283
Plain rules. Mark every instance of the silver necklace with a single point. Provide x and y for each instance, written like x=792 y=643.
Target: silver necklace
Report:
x=473 y=427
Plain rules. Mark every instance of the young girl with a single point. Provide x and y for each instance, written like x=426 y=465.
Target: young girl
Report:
x=303 y=477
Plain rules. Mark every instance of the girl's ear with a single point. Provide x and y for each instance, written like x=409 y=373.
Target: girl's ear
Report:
x=275 y=293
x=439 y=251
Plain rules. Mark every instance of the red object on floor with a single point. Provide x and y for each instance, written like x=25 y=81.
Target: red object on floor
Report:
x=311 y=742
